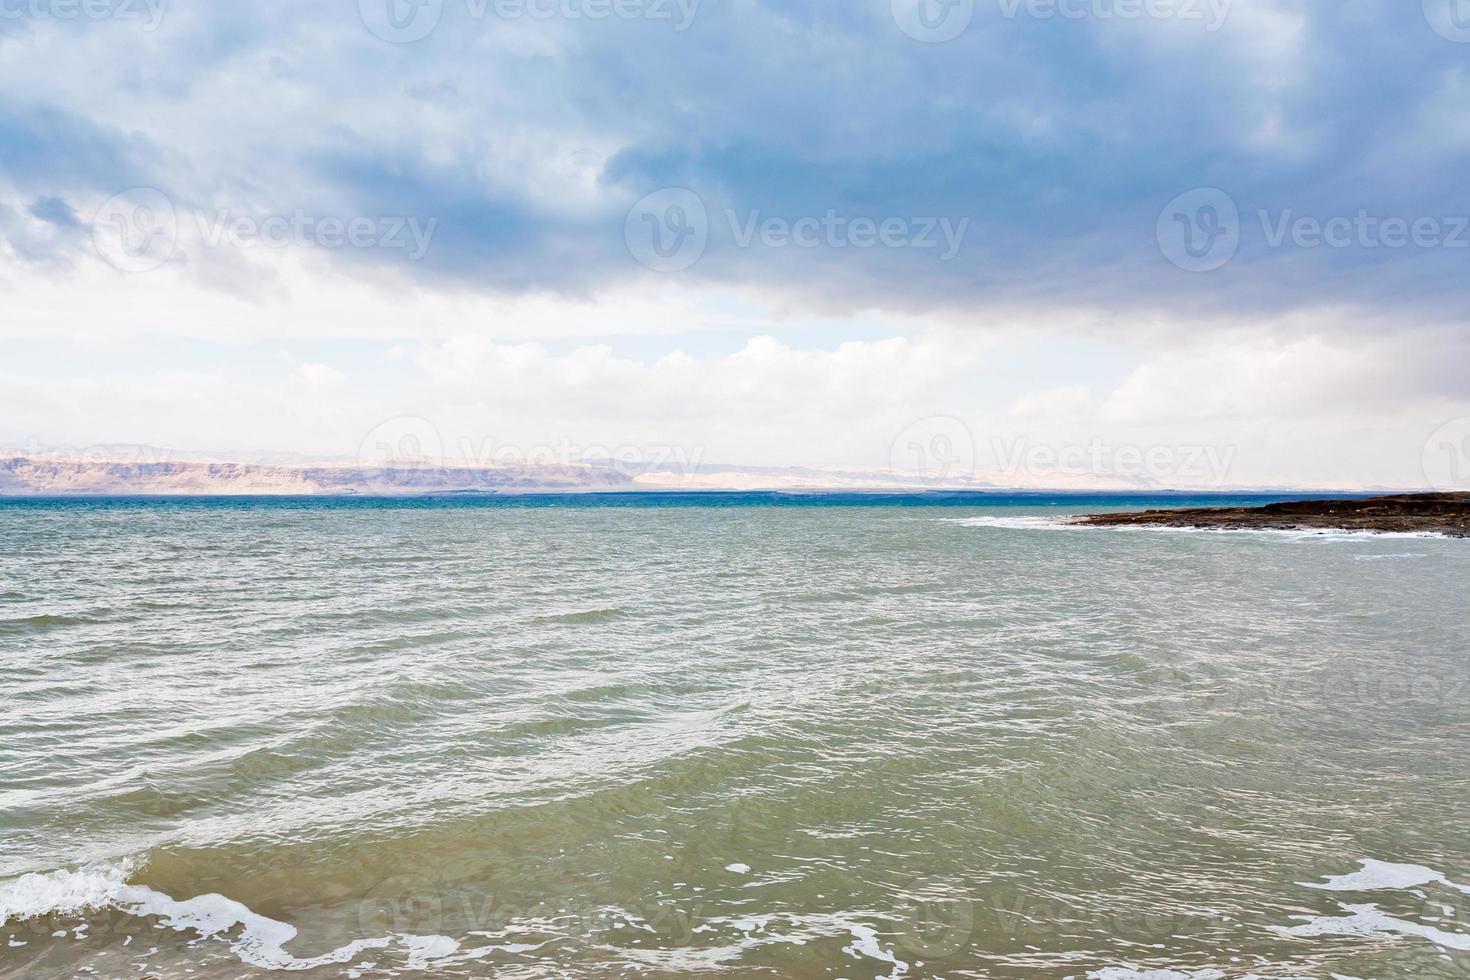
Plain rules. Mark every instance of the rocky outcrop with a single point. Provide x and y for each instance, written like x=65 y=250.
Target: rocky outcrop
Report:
x=60 y=476
x=1437 y=513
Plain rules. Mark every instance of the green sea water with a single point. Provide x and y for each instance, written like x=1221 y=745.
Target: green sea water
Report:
x=725 y=739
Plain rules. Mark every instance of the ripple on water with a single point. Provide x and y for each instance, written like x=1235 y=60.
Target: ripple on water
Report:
x=826 y=743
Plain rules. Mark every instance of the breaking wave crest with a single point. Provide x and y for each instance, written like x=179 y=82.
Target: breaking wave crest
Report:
x=255 y=939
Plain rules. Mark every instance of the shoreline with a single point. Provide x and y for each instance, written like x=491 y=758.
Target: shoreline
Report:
x=1446 y=514
x=1176 y=500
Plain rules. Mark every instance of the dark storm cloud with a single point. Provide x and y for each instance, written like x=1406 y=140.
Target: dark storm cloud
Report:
x=1057 y=133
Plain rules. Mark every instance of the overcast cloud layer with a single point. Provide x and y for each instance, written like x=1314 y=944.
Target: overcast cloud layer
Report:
x=778 y=231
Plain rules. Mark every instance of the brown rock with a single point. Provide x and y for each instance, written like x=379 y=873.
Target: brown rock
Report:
x=1437 y=513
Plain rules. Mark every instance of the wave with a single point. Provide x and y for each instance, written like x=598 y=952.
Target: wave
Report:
x=43 y=621
x=1019 y=523
x=1074 y=523
x=1377 y=875
x=1367 y=920
x=61 y=892
x=255 y=939
x=1363 y=921
x=586 y=617
x=1127 y=973
x=259 y=941
x=756 y=931
x=1312 y=533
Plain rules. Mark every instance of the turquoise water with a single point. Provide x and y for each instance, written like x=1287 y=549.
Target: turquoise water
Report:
x=735 y=735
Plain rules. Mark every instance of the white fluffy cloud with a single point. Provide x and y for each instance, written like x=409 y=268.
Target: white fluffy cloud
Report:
x=1061 y=322
x=1257 y=411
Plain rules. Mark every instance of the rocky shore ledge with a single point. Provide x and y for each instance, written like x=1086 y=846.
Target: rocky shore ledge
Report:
x=1436 y=513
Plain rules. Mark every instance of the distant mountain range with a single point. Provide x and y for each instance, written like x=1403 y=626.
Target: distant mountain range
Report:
x=46 y=476
x=142 y=474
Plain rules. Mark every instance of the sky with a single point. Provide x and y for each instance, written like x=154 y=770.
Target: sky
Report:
x=1193 y=243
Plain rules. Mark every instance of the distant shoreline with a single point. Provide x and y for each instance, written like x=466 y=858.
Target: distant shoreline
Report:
x=771 y=497
x=1428 y=513
x=62 y=477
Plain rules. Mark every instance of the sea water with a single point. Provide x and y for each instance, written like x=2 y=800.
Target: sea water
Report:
x=725 y=736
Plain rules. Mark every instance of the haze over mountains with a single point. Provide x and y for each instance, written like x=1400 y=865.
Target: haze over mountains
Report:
x=136 y=471
x=60 y=475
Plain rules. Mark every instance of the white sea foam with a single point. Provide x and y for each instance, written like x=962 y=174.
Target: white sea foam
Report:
x=1018 y=523
x=257 y=941
x=1072 y=522
x=1377 y=875
x=1124 y=973
x=62 y=892
x=1128 y=973
x=1368 y=921
x=1361 y=920
x=1403 y=557
x=777 y=929
x=865 y=943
